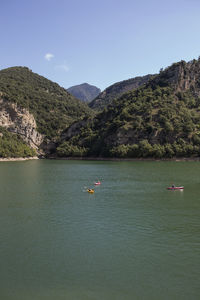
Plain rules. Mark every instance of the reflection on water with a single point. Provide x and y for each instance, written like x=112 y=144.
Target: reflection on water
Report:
x=131 y=239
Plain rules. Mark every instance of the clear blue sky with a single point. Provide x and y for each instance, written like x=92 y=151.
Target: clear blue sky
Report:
x=99 y=42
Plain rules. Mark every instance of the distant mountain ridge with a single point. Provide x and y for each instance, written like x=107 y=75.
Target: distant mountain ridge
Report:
x=116 y=90
x=85 y=92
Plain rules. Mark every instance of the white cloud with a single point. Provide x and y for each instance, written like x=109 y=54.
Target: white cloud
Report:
x=63 y=67
x=48 y=56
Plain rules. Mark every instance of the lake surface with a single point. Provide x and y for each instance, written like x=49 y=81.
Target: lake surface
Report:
x=131 y=239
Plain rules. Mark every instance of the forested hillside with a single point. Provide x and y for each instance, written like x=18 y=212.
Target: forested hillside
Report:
x=11 y=145
x=52 y=106
x=160 y=119
x=116 y=90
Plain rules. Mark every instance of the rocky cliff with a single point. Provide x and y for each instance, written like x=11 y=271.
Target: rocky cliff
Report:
x=20 y=121
x=181 y=76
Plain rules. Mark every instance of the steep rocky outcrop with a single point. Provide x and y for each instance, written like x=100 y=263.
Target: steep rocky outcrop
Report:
x=182 y=76
x=20 y=121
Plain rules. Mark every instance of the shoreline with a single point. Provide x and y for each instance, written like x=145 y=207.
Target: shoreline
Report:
x=127 y=159
x=18 y=158
x=181 y=159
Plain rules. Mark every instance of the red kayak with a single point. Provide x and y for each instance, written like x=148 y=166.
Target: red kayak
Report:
x=97 y=183
x=175 y=188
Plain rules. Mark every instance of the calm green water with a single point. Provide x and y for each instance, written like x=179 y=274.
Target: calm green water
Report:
x=132 y=239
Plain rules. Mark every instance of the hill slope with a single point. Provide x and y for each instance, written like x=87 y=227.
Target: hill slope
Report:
x=11 y=145
x=84 y=91
x=116 y=90
x=160 y=119
x=53 y=107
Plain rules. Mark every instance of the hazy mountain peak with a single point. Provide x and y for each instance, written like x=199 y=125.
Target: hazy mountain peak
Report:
x=85 y=91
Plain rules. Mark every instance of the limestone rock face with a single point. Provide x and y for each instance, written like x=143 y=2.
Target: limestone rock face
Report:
x=182 y=76
x=20 y=121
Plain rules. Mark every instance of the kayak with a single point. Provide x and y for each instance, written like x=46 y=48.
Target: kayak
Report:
x=97 y=183
x=176 y=188
x=91 y=191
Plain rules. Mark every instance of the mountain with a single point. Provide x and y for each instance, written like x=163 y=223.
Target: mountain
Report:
x=160 y=119
x=36 y=108
x=116 y=90
x=84 y=91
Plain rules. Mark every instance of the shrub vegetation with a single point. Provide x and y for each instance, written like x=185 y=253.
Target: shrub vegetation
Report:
x=11 y=145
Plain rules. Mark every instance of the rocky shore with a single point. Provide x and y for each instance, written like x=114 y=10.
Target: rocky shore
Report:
x=18 y=158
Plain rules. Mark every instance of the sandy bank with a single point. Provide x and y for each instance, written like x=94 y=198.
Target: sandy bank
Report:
x=18 y=158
